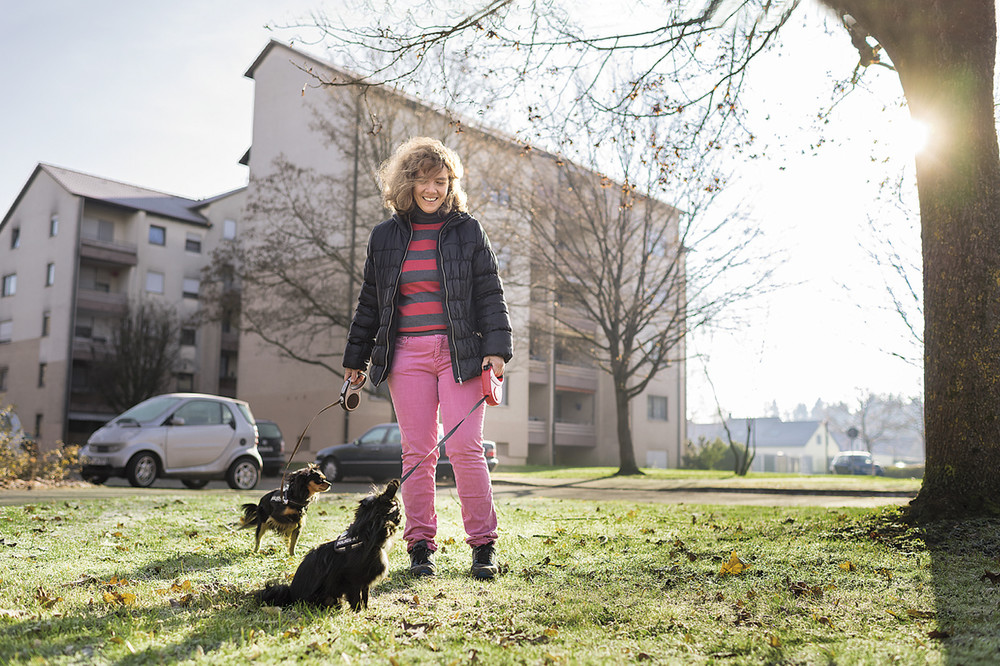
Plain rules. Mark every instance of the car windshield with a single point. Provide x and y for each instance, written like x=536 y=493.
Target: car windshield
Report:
x=268 y=430
x=148 y=409
x=245 y=409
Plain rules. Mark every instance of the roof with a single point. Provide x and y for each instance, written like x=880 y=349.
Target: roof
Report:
x=125 y=195
x=121 y=194
x=765 y=432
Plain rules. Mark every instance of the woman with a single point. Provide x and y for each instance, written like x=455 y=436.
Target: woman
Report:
x=431 y=316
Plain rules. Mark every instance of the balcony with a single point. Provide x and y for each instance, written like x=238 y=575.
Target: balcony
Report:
x=108 y=253
x=582 y=435
x=568 y=377
x=101 y=302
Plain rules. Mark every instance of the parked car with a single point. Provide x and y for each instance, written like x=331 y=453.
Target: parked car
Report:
x=379 y=454
x=855 y=462
x=271 y=446
x=193 y=437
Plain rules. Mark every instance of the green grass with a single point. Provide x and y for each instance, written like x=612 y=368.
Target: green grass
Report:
x=166 y=580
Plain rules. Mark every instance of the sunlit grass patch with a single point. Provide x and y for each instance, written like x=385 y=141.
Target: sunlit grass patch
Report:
x=154 y=579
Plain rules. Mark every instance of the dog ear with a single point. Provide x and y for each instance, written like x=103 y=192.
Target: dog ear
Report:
x=391 y=488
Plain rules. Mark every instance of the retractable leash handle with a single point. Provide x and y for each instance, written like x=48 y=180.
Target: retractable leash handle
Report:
x=350 y=398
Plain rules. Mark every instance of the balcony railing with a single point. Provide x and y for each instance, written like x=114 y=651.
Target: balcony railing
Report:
x=567 y=434
x=571 y=377
x=108 y=252
x=101 y=302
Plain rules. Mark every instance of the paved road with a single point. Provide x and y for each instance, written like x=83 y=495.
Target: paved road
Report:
x=511 y=486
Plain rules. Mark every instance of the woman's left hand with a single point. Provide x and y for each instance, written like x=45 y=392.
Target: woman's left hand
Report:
x=497 y=363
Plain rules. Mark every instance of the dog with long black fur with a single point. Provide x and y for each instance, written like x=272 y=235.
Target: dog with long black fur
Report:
x=350 y=565
x=284 y=510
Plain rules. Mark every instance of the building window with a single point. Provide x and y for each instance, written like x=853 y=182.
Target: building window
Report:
x=41 y=374
x=6 y=330
x=193 y=243
x=54 y=225
x=84 y=327
x=191 y=288
x=187 y=337
x=80 y=381
x=656 y=407
x=185 y=381
x=10 y=284
x=229 y=229
x=15 y=238
x=154 y=282
x=50 y=275
x=46 y=321
x=4 y=371
x=157 y=235
x=105 y=231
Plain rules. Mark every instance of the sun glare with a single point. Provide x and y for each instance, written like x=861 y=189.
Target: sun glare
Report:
x=915 y=136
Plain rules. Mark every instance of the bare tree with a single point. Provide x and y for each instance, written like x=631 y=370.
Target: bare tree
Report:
x=944 y=52
x=139 y=360
x=615 y=261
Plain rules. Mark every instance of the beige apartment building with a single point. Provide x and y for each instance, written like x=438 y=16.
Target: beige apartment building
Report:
x=558 y=406
x=75 y=250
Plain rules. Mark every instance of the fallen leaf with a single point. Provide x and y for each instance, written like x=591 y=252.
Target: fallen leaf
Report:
x=848 y=566
x=734 y=566
x=940 y=635
x=920 y=614
x=990 y=576
x=774 y=641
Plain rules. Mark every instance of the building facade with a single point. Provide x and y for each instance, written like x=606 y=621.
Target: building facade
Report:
x=559 y=408
x=76 y=250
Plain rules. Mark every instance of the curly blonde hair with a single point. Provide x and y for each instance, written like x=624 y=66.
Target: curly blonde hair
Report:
x=415 y=157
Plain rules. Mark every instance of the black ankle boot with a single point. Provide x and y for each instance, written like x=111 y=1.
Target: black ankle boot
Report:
x=484 y=564
x=421 y=559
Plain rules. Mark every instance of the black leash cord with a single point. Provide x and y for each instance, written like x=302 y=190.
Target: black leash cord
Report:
x=412 y=469
x=443 y=440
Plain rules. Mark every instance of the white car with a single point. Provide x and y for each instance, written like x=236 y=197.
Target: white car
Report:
x=193 y=437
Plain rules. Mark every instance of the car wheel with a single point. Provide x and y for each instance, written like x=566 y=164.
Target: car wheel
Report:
x=195 y=484
x=243 y=474
x=331 y=469
x=141 y=470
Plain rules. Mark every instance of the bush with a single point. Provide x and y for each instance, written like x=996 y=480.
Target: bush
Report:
x=908 y=472
x=709 y=455
x=20 y=459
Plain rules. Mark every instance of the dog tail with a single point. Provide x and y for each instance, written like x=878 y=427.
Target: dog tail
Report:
x=249 y=517
x=274 y=594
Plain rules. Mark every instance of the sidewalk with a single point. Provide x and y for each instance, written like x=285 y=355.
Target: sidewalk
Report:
x=846 y=486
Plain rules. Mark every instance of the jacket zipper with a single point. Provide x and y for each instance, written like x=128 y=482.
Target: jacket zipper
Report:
x=390 y=337
x=451 y=324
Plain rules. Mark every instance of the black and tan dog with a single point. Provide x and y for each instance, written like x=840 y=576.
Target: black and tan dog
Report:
x=283 y=510
x=347 y=567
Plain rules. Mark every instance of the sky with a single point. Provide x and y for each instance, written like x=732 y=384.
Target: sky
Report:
x=153 y=94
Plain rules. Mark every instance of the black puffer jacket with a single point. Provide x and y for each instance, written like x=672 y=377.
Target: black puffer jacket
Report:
x=478 y=321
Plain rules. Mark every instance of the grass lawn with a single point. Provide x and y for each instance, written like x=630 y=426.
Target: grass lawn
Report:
x=167 y=580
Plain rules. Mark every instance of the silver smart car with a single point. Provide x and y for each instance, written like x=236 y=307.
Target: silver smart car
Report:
x=193 y=437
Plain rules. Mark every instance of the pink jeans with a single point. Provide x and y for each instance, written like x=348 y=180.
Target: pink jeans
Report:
x=421 y=381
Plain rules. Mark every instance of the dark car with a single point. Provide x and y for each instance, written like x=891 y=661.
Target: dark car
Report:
x=379 y=453
x=855 y=462
x=271 y=446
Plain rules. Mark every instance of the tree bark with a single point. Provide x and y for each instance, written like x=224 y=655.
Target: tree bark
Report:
x=626 y=465
x=944 y=53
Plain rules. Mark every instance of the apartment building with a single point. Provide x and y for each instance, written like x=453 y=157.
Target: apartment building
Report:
x=75 y=251
x=558 y=406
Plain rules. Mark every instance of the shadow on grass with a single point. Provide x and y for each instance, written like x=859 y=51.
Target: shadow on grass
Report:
x=964 y=562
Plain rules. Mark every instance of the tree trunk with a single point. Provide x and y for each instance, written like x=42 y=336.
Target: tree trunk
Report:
x=944 y=52
x=626 y=452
